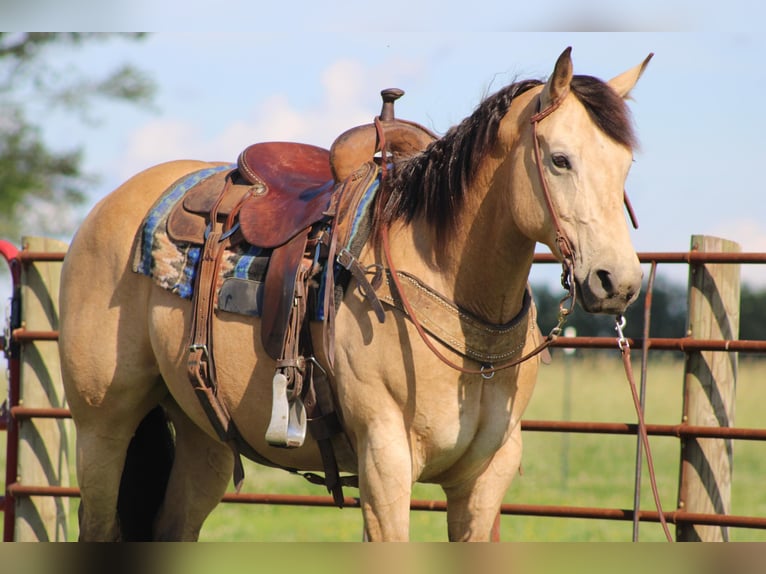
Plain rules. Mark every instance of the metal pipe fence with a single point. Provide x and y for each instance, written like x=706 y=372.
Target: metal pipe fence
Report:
x=14 y=411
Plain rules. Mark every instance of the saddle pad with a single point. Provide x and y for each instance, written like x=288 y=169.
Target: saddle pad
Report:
x=173 y=265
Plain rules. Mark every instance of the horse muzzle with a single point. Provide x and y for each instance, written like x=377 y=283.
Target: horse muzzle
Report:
x=609 y=291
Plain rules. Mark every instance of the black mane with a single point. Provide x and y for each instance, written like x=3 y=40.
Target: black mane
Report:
x=432 y=184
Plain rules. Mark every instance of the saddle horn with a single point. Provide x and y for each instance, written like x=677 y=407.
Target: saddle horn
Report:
x=389 y=95
x=354 y=147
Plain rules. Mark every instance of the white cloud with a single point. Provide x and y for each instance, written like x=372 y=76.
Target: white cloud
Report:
x=156 y=142
x=751 y=237
x=345 y=102
x=749 y=233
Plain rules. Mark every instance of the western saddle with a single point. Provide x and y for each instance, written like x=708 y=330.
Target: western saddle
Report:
x=296 y=200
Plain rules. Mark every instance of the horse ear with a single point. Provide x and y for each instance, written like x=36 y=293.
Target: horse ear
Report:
x=558 y=84
x=623 y=83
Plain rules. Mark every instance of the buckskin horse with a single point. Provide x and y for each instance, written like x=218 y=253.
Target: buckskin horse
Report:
x=415 y=353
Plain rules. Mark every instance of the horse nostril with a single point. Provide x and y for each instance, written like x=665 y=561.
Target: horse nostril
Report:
x=606 y=281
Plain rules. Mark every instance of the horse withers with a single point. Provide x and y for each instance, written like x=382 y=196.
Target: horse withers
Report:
x=435 y=393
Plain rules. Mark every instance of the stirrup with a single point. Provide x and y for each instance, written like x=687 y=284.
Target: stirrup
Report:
x=287 y=428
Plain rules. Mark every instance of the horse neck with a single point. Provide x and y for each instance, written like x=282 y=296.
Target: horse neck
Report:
x=484 y=266
x=495 y=257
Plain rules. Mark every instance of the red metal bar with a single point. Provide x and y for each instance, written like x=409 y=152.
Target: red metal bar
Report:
x=10 y=253
x=675 y=517
x=587 y=427
x=642 y=400
x=17 y=489
x=687 y=257
x=32 y=256
x=20 y=413
x=684 y=344
x=697 y=257
x=677 y=431
x=22 y=335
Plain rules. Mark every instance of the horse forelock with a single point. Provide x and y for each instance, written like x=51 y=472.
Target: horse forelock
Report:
x=433 y=183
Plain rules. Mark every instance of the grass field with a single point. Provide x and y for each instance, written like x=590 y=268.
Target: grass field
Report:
x=558 y=469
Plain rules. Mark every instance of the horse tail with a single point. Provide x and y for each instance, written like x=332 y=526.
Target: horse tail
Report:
x=145 y=476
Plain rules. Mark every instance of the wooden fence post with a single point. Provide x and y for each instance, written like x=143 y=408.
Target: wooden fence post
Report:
x=43 y=443
x=709 y=390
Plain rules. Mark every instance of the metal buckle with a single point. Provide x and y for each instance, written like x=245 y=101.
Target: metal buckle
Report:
x=619 y=325
x=203 y=348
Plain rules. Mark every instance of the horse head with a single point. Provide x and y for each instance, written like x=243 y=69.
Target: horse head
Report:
x=576 y=161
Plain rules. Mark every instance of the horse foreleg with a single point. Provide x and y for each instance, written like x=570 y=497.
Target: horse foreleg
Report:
x=472 y=506
x=385 y=485
x=202 y=469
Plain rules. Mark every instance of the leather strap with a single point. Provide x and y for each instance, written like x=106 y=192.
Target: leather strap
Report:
x=280 y=285
x=343 y=210
x=562 y=242
x=323 y=426
x=200 y=364
x=624 y=347
x=348 y=261
x=631 y=212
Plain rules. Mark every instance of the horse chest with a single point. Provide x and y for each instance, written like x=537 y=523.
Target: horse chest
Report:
x=470 y=427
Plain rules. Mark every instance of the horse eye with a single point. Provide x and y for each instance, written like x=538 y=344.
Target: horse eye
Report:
x=560 y=160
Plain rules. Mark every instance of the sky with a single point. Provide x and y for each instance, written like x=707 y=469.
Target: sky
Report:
x=308 y=71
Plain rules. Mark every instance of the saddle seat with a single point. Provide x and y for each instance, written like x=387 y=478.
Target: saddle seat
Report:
x=277 y=190
x=291 y=186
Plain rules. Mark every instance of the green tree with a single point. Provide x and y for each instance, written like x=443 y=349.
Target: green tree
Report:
x=752 y=315
x=31 y=172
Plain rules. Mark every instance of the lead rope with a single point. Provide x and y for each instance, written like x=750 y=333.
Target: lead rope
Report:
x=624 y=346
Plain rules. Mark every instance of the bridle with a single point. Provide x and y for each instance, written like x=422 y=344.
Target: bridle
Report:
x=564 y=245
